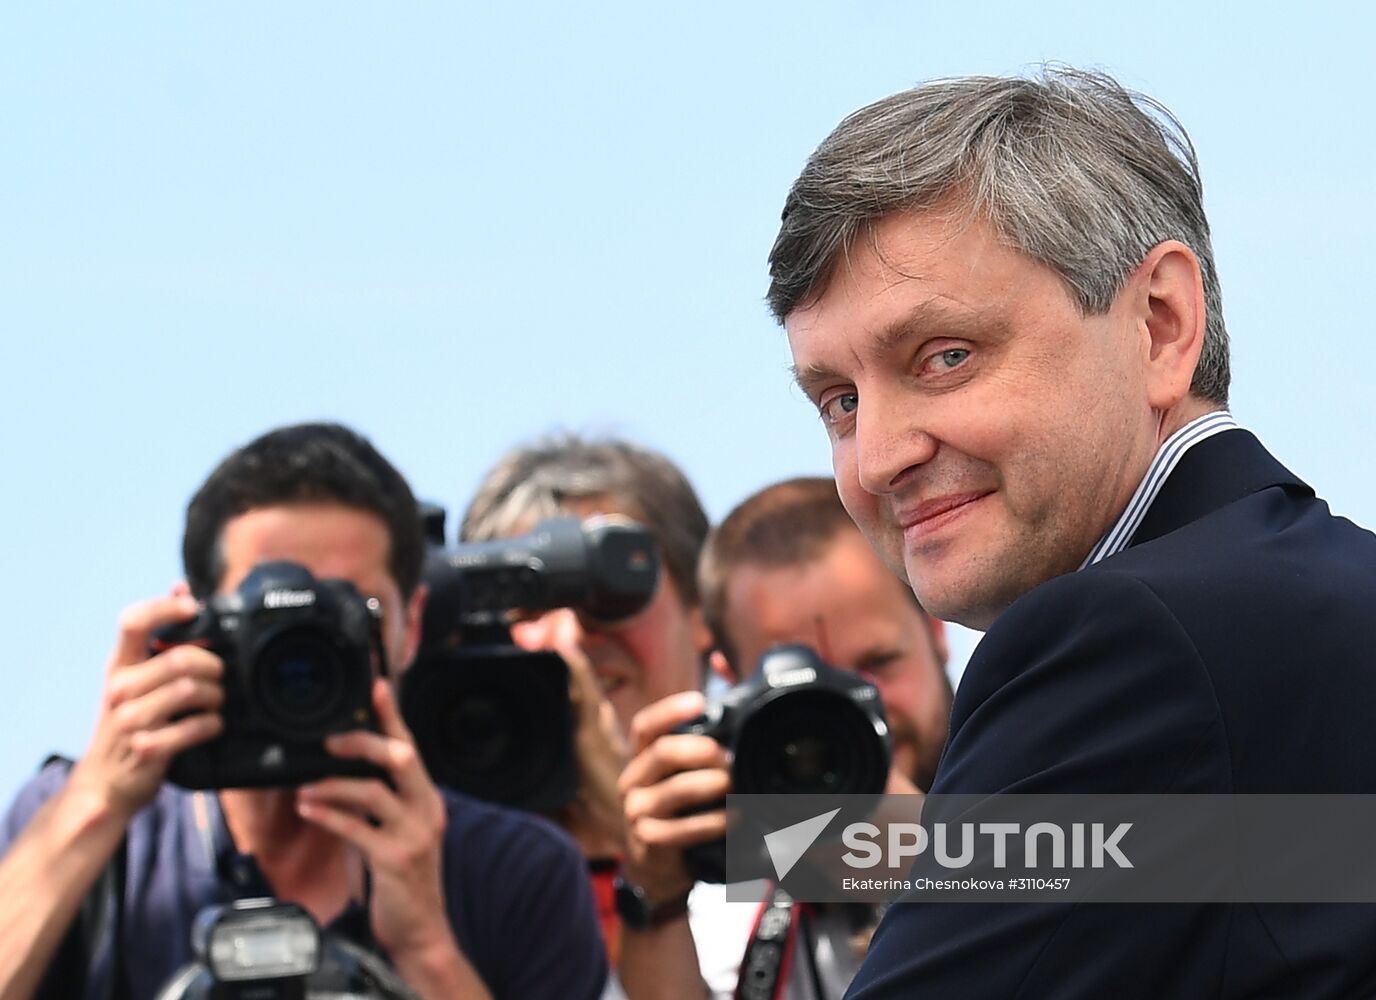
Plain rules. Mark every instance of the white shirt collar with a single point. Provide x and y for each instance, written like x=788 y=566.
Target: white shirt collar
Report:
x=1167 y=458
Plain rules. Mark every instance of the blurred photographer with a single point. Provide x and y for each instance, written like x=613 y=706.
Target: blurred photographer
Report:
x=450 y=890
x=786 y=566
x=616 y=669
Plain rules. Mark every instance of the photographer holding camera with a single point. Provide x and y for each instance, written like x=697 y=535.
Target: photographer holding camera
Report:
x=308 y=526
x=616 y=668
x=787 y=565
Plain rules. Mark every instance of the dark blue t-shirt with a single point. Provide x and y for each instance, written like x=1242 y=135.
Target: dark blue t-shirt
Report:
x=516 y=889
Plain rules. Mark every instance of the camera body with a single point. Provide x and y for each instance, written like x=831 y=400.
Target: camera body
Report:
x=300 y=657
x=493 y=720
x=796 y=726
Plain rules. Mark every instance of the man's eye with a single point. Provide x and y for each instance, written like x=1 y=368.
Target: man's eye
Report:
x=878 y=664
x=838 y=407
x=952 y=358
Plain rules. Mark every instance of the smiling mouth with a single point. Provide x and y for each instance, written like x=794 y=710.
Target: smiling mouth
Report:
x=934 y=515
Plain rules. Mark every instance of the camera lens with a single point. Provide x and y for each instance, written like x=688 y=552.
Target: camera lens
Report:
x=809 y=742
x=300 y=679
x=494 y=722
x=493 y=747
x=482 y=729
x=806 y=762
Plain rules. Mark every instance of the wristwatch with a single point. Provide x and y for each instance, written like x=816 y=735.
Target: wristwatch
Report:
x=636 y=911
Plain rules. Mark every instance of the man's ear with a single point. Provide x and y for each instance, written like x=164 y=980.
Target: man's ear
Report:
x=702 y=635
x=415 y=613
x=1171 y=308
x=721 y=667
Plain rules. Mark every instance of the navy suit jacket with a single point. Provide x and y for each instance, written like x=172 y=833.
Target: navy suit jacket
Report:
x=1230 y=648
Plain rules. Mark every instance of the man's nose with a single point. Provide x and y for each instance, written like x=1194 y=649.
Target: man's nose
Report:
x=891 y=443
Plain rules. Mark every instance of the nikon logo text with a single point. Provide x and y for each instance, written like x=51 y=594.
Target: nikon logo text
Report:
x=288 y=598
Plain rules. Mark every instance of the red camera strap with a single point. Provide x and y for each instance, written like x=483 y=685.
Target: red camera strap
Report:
x=770 y=952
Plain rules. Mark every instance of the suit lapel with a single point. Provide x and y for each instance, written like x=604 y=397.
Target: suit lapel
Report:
x=1213 y=474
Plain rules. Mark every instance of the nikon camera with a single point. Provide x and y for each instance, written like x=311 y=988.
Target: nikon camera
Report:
x=493 y=720
x=299 y=657
x=796 y=726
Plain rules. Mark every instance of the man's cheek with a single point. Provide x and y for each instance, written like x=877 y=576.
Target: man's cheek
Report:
x=843 y=468
x=895 y=708
x=892 y=710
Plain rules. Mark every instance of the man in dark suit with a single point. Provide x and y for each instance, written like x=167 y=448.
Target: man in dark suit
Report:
x=1000 y=295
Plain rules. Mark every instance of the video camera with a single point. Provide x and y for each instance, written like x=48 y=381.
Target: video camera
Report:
x=299 y=657
x=796 y=726
x=490 y=719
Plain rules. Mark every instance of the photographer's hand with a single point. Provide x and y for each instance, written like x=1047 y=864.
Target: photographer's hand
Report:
x=669 y=774
x=594 y=817
x=400 y=830
x=151 y=709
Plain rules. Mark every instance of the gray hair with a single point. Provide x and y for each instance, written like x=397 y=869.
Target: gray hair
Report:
x=1069 y=168
x=544 y=478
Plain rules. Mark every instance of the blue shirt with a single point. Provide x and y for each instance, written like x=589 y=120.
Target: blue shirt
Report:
x=516 y=890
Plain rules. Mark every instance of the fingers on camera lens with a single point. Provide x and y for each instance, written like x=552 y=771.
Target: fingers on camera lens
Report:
x=177 y=663
x=176 y=736
x=655 y=720
x=682 y=831
x=178 y=697
x=138 y=622
x=671 y=754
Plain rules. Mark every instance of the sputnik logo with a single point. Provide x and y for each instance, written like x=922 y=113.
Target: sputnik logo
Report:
x=786 y=846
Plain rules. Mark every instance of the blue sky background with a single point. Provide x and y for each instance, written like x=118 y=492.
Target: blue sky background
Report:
x=458 y=227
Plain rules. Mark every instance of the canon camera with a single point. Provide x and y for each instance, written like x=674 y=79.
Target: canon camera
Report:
x=796 y=726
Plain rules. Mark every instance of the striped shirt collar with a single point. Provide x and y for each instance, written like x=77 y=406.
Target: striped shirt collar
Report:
x=1167 y=458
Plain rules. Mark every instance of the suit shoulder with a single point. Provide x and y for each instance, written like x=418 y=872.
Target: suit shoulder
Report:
x=1088 y=683
x=1085 y=614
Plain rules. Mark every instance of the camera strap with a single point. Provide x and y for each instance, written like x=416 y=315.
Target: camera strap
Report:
x=772 y=948
x=238 y=875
